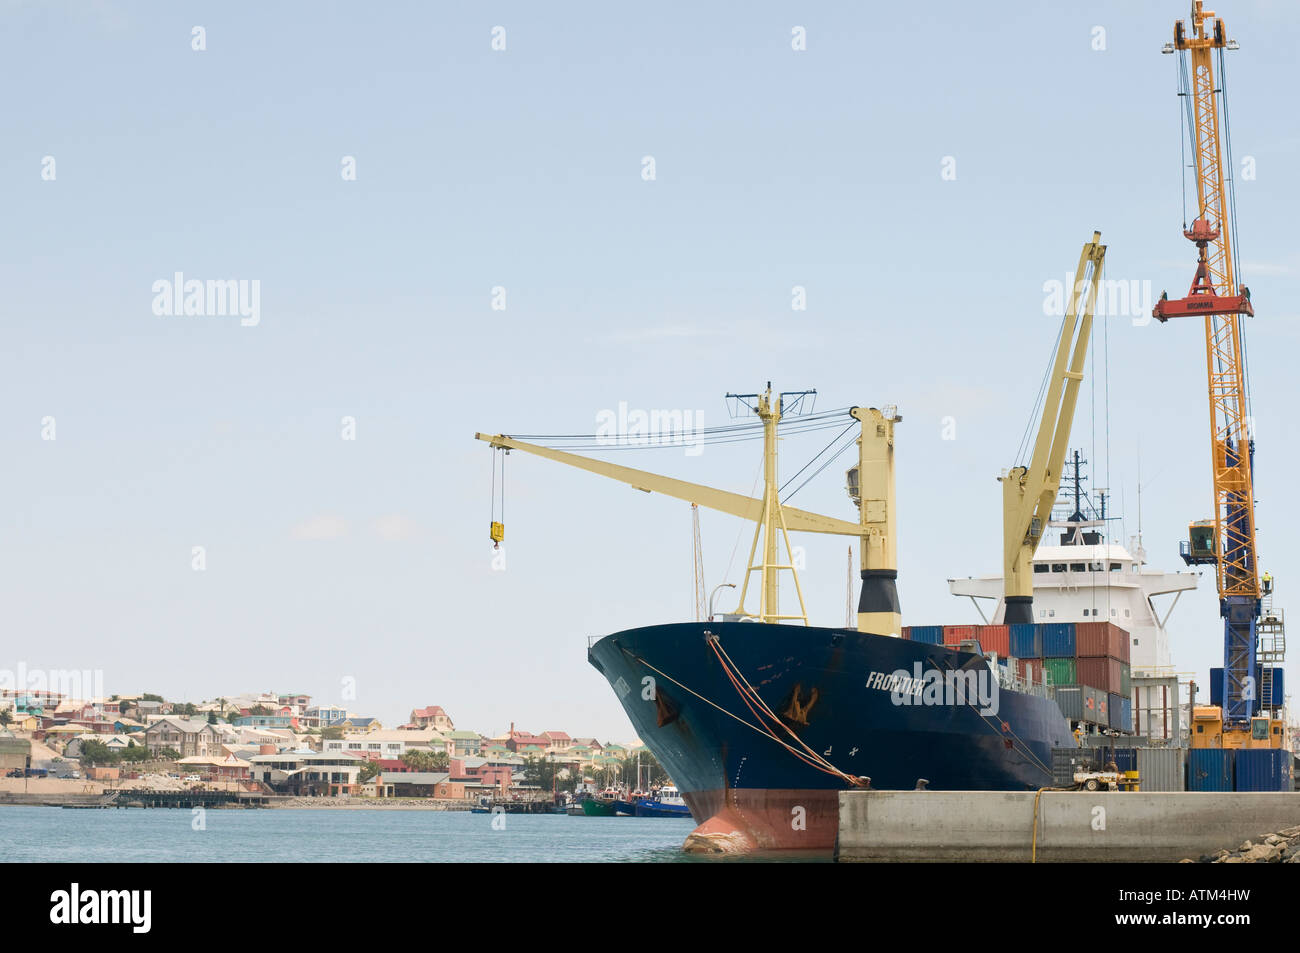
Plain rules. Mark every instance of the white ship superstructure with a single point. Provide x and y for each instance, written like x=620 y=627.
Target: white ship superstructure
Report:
x=1081 y=577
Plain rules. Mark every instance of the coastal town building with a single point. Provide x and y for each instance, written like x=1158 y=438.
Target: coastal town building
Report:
x=307 y=773
x=354 y=723
x=324 y=716
x=432 y=717
x=390 y=744
x=187 y=736
x=466 y=743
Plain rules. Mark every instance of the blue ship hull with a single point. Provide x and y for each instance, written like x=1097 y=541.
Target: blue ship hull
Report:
x=840 y=692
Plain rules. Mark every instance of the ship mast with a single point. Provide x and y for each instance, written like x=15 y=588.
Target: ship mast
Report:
x=773 y=520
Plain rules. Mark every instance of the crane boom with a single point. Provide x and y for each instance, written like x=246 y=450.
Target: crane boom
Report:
x=870 y=487
x=735 y=504
x=1029 y=492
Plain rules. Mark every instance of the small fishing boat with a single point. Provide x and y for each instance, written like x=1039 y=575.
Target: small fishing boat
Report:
x=667 y=803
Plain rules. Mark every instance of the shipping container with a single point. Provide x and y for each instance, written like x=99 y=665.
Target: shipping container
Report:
x=1101 y=640
x=1103 y=708
x=1102 y=673
x=1026 y=640
x=929 y=634
x=1161 y=769
x=1126 y=759
x=996 y=638
x=1030 y=670
x=1115 y=711
x=1277 y=700
x=1058 y=640
x=1066 y=761
x=1125 y=680
x=1263 y=769
x=1209 y=769
x=954 y=634
x=1126 y=714
x=1069 y=698
x=1089 y=703
x=1061 y=671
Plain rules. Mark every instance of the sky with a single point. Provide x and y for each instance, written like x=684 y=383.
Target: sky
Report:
x=386 y=176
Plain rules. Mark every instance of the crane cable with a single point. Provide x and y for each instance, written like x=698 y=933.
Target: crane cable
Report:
x=498 y=525
x=712 y=704
x=1007 y=732
x=747 y=692
x=1236 y=251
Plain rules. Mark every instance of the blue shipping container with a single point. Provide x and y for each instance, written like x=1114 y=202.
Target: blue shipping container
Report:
x=1263 y=769
x=1026 y=640
x=1058 y=640
x=1278 y=693
x=1126 y=714
x=1209 y=769
x=929 y=634
x=1126 y=759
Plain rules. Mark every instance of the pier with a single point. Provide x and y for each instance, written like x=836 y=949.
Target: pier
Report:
x=1054 y=826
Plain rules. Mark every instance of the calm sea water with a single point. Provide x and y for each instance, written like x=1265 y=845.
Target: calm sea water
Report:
x=51 y=834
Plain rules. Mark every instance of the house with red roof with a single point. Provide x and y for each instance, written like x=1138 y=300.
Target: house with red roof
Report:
x=431 y=717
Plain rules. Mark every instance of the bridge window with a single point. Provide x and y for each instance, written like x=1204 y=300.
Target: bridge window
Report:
x=1076 y=567
x=1115 y=567
x=1058 y=567
x=1040 y=567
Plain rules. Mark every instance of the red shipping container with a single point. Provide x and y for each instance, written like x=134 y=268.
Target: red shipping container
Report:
x=1030 y=669
x=907 y=632
x=1102 y=673
x=1090 y=639
x=955 y=634
x=996 y=638
x=1101 y=640
x=1120 y=643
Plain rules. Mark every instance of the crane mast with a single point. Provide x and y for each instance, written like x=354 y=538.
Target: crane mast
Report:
x=1028 y=492
x=1230 y=544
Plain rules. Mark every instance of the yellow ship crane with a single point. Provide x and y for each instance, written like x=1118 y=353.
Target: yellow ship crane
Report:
x=1228 y=540
x=870 y=485
x=1028 y=492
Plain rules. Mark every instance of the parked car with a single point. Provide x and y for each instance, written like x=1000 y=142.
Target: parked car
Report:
x=192 y=777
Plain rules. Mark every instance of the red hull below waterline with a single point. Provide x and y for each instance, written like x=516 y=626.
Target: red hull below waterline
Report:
x=748 y=819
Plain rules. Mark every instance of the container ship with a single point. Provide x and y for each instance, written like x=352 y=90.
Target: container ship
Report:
x=760 y=718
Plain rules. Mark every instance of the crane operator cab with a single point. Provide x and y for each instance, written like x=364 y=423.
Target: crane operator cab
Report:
x=1198 y=548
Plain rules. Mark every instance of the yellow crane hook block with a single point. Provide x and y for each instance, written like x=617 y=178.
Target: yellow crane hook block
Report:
x=498 y=532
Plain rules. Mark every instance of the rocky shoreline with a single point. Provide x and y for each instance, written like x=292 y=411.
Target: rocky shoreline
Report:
x=1282 y=847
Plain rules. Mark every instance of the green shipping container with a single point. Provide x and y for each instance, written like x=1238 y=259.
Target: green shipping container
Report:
x=1125 y=680
x=1061 y=670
